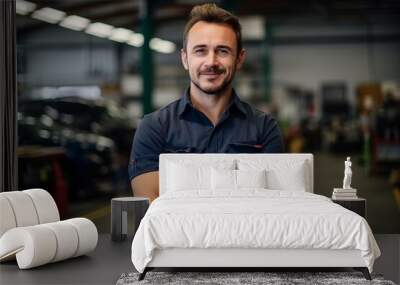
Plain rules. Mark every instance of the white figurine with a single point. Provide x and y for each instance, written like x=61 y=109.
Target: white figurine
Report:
x=347 y=174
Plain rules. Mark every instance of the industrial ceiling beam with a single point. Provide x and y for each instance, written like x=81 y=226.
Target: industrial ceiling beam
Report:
x=146 y=58
x=80 y=8
x=115 y=14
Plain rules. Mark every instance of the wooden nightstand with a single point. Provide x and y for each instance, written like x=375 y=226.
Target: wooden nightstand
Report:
x=358 y=205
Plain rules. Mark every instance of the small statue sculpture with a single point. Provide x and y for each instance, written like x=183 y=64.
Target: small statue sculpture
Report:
x=347 y=174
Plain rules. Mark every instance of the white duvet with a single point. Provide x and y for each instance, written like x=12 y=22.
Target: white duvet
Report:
x=253 y=218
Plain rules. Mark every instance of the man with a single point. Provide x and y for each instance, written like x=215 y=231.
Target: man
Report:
x=210 y=117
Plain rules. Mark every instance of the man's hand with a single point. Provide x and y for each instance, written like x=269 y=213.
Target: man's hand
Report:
x=146 y=185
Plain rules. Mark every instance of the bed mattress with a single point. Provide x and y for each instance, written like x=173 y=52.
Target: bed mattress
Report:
x=250 y=219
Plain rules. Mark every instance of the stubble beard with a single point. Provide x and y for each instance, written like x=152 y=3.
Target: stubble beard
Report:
x=219 y=90
x=214 y=92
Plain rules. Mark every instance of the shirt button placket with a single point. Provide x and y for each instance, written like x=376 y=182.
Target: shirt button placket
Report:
x=211 y=140
x=217 y=139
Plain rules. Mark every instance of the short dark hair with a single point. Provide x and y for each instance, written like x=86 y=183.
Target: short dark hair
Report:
x=211 y=13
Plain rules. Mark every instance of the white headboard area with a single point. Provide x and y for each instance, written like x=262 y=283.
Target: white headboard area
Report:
x=245 y=159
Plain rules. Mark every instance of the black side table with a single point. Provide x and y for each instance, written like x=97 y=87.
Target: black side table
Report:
x=358 y=206
x=126 y=214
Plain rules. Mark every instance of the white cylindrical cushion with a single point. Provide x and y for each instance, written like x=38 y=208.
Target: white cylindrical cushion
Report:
x=67 y=239
x=23 y=208
x=40 y=244
x=7 y=218
x=45 y=206
x=87 y=235
x=34 y=246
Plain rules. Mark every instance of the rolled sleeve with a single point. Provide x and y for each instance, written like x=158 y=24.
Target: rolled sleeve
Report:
x=147 y=145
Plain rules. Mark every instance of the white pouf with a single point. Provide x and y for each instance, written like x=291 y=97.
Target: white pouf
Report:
x=41 y=244
x=23 y=208
x=33 y=246
x=67 y=240
x=45 y=205
x=7 y=218
x=31 y=230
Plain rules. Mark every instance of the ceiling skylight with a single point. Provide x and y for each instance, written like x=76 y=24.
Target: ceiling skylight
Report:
x=121 y=35
x=49 y=15
x=162 y=46
x=24 y=7
x=74 y=22
x=100 y=30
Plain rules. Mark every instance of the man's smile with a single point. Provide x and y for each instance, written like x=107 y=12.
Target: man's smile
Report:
x=212 y=74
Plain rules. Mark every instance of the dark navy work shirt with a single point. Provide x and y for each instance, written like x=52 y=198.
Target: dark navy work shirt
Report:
x=180 y=128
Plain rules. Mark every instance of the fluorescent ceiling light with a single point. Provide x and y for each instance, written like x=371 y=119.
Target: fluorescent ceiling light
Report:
x=24 y=7
x=136 y=40
x=121 y=35
x=75 y=23
x=253 y=27
x=49 y=15
x=162 y=46
x=100 y=30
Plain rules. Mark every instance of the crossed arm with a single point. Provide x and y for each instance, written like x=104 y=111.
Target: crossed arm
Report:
x=146 y=185
x=149 y=142
x=147 y=145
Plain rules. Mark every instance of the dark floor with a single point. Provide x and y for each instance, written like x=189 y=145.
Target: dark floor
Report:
x=102 y=266
x=110 y=259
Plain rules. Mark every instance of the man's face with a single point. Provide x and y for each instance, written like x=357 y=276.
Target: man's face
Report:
x=211 y=57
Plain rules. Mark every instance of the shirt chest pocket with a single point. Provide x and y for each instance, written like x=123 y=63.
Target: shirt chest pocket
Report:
x=245 y=147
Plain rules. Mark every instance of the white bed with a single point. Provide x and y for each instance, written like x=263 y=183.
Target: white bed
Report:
x=247 y=210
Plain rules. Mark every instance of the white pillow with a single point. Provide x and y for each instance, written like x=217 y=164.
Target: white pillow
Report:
x=185 y=178
x=188 y=175
x=281 y=174
x=237 y=179
x=293 y=180
x=223 y=179
x=251 y=179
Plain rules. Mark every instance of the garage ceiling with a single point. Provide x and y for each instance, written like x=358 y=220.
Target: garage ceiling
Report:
x=126 y=13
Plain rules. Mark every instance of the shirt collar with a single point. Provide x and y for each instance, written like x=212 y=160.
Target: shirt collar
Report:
x=185 y=103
